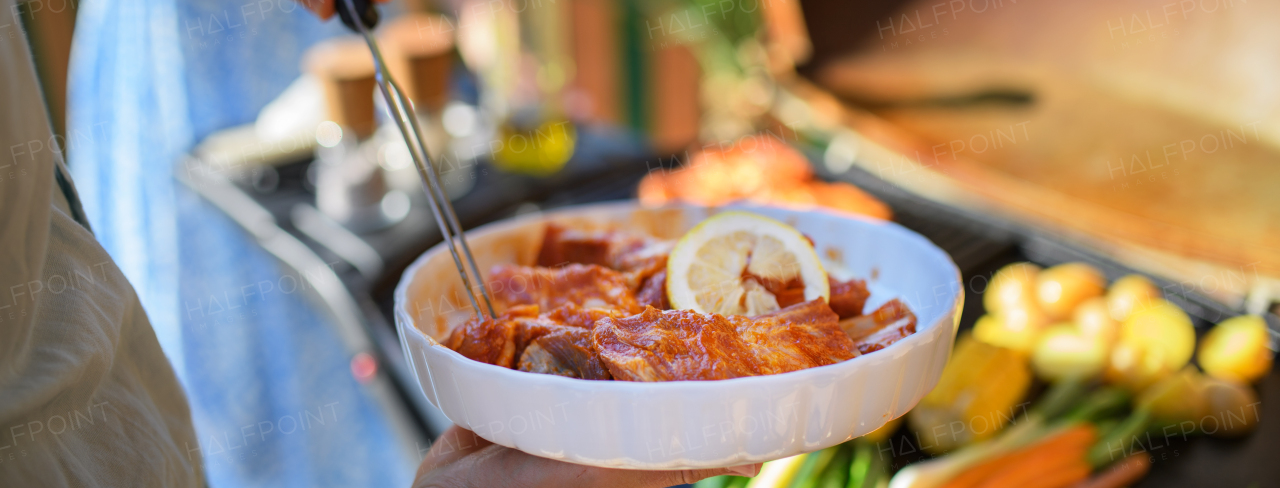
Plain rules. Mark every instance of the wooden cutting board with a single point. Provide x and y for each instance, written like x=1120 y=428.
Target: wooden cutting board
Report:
x=1125 y=143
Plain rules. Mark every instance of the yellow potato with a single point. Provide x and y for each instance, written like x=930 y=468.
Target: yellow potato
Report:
x=1129 y=293
x=1135 y=368
x=1065 y=352
x=1164 y=328
x=1014 y=331
x=1012 y=286
x=1176 y=398
x=1154 y=342
x=1092 y=319
x=1232 y=408
x=1061 y=288
x=1237 y=349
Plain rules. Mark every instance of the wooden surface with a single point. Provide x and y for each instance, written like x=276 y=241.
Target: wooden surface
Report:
x=1154 y=139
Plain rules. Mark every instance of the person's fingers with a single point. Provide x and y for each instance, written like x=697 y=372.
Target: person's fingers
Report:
x=456 y=443
x=500 y=466
x=322 y=8
x=461 y=459
x=326 y=8
x=748 y=470
x=660 y=479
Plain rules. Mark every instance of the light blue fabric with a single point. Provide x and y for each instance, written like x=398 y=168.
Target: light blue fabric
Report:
x=242 y=54
x=127 y=122
x=148 y=80
x=264 y=355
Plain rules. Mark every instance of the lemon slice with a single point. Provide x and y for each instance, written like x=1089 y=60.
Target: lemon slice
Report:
x=723 y=264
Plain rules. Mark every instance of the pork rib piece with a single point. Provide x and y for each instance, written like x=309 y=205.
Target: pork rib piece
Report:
x=672 y=345
x=586 y=286
x=491 y=340
x=848 y=297
x=683 y=345
x=564 y=352
x=875 y=331
x=654 y=292
x=503 y=341
x=804 y=335
x=562 y=245
x=636 y=256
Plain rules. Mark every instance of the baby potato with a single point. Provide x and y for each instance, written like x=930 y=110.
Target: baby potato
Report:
x=1135 y=368
x=1129 y=293
x=1237 y=349
x=1061 y=288
x=1063 y=352
x=1154 y=342
x=1176 y=398
x=1093 y=319
x=1018 y=329
x=1232 y=408
x=1162 y=327
x=1161 y=330
x=1012 y=286
x=1025 y=315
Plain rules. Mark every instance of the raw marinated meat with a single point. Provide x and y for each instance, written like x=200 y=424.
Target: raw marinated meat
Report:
x=654 y=292
x=684 y=345
x=801 y=336
x=587 y=286
x=672 y=345
x=848 y=297
x=877 y=330
x=596 y=308
x=491 y=340
x=565 y=352
x=637 y=257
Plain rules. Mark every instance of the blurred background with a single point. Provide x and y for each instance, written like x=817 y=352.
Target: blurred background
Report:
x=234 y=160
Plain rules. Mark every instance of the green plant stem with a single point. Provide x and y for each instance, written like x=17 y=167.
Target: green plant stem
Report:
x=837 y=473
x=1119 y=438
x=1060 y=397
x=1097 y=405
x=860 y=468
x=814 y=465
x=713 y=482
x=878 y=473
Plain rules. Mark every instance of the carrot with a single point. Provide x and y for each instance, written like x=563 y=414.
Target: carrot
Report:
x=1070 y=442
x=1062 y=477
x=1065 y=450
x=1129 y=470
x=975 y=474
x=1032 y=471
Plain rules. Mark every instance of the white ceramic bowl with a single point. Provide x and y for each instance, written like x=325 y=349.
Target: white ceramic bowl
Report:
x=685 y=424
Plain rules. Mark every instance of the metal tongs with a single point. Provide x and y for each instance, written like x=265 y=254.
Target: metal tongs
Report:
x=400 y=108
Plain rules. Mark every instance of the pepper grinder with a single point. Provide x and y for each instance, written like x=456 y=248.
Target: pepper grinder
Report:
x=419 y=49
x=351 y=187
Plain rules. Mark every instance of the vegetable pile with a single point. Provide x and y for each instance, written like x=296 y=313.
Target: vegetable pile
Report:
x=1117 y=364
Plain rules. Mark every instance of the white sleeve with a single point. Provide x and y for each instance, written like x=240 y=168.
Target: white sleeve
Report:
x=87 y=397
x=26 y=182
